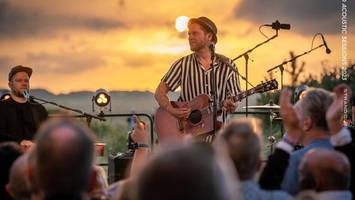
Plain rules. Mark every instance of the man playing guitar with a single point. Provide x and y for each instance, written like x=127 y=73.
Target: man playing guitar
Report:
x=192 y=73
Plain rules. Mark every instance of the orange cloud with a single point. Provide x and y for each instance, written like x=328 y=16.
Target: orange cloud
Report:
x=85 y=45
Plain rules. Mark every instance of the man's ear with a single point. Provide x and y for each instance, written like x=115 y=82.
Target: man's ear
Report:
x=320 y=182
x=307 y=124
x=209 y=36
x=258 y=164
x=32 y=179
x=10 y=84
x=93 y=184
x=8 y=190
x=29 y=173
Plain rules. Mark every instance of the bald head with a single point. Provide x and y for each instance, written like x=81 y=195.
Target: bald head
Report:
x=63 y=158
x=243 y=138
x=324 y=170
x=18 y=184
x=185 y=172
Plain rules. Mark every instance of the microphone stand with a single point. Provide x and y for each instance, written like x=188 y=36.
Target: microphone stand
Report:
x=87 y=115
x=237 y=72
x=281 y=66
x=246 y=57
x=213 y=88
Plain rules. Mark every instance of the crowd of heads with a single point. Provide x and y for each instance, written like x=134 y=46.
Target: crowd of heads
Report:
x=61 y=164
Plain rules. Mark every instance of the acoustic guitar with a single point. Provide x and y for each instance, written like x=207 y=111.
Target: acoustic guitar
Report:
x=199 y=122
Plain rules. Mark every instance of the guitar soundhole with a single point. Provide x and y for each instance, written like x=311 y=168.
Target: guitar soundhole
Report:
x=195 y=116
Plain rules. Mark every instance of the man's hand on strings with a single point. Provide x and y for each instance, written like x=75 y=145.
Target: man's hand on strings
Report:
x=229 y=105
x=182 y=113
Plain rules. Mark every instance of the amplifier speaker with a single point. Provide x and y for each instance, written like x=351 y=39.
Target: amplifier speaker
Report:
x=119 y=166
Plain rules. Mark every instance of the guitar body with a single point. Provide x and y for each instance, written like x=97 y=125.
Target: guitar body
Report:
x=200 y=121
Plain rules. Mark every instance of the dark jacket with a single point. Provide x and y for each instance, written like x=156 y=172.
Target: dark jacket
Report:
x=19 y=121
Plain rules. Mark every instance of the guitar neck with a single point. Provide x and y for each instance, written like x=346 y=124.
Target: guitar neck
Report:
x=243 y=94
x=263 y=87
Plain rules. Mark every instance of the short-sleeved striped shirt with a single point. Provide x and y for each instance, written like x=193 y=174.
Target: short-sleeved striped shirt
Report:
x=194 y=80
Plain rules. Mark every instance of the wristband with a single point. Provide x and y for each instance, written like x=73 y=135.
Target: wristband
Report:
x=137 y=146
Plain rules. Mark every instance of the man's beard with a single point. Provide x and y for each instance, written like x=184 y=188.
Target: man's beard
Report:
x=18 y=93
x=196 y=47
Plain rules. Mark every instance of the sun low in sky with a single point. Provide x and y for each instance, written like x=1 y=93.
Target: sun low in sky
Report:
x=181 y=23
x=127 y=45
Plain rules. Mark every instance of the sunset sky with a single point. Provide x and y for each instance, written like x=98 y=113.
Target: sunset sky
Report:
x=129 y=44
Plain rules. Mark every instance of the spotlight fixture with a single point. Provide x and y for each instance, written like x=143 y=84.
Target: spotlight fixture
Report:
x=4 y=95
x=101 y=99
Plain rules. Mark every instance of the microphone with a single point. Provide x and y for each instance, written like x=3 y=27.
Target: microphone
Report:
x=277 y=25
x=327 y=50
x=27 y=95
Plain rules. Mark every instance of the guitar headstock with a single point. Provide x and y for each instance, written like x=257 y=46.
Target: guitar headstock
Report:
x=263 y=87
x=267 y=86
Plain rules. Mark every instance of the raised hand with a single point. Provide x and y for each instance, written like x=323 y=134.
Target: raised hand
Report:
x=26 y=145
x=140 y=133
x=334 y=114
x=289 y=117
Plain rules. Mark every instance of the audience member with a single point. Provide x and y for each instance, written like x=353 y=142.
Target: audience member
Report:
x=309 y=125
x=326 y=173
x=9 y=152
x=244 y=142
x=64 y=160
x=18 y=186
x=340 y=139
x=190 y=172
x=353 y=110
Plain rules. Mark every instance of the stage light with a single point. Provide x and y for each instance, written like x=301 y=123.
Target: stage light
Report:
x=102 y=99
x=4 y=95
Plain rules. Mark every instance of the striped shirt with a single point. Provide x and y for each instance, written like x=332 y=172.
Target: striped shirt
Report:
x=194 y=80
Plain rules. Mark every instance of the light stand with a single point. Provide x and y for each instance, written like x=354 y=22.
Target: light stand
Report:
x=87 y=115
